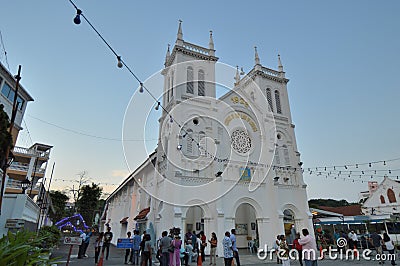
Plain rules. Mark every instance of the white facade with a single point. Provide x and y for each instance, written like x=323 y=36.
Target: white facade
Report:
x=383 y=199
x=223 y=163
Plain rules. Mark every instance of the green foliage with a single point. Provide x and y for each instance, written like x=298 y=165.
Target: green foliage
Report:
x=58 y=199
x=89 y=201
x=315 y=203
x=23 y=248
x=5 y=136
x=51 y=234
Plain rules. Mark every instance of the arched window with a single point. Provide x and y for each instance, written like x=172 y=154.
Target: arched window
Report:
x=382 y=199
x=278 y=102
x=168 y=88
x=172 y=84
x=202 y=143
x=286 y=155
x=391 y=196
x=269 y=99
x=189 y=141
x=201 y=85
x=189 y=79
x=277 y=159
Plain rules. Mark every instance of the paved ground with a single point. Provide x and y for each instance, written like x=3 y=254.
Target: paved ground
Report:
x=117 y=258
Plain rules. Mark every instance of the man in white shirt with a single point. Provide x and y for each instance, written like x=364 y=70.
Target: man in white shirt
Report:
x=81 y=251
x=353 y=243
x=310 y=252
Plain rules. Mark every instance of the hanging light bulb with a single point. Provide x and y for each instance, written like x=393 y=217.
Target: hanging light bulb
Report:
x=119 y=64
x=345 y=167
x=325 y=168
x=384 y=162
x=362 y=172
x=390 y=171
x=157 y=106
x=77 y=19
x=171 y=119
x=356 y=165
x=141 y=90
x=369 y=164
x=334 y=168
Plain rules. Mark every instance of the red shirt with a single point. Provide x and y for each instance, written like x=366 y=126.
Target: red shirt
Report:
x=297 y=244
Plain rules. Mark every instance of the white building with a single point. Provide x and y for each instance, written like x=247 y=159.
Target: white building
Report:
x=381 y=199
x=223 y=163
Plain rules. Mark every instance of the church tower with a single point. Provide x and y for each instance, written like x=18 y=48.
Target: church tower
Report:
x=183 y=78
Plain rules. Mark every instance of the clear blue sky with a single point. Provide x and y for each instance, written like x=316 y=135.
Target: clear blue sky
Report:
x=342 y=59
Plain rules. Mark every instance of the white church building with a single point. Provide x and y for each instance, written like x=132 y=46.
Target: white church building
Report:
x=221 y=162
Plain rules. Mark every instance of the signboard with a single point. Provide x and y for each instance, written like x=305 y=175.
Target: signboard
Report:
x=125 y=243
x=72 y=240
x=245 y=174
x=15 y=223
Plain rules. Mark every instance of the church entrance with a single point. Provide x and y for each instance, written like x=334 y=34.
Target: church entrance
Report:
x=289 y=225
x=194 y=219
x=246 y=226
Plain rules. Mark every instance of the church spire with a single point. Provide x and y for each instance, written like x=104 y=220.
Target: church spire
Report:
x=211 y=42
x=179 y=35
x=167 y=56
x=256 y=57
x=280 y=67
x=237 y=76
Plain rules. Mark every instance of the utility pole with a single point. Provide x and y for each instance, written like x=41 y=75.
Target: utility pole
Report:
x=13 y=115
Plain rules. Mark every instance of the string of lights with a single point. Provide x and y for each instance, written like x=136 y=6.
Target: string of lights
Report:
x=121 y=63
x=355 y=165
x=99 y=183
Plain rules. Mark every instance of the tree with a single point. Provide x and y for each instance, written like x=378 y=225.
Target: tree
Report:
x=314 y=203
x=88 y=202
x=5 y=136
x=59 y=199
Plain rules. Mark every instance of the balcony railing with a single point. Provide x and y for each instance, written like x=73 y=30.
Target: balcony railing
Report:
x=16 y=184
x=31 y=152
x=17 y=166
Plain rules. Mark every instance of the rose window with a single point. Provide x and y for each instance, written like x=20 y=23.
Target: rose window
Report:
x=241 y=141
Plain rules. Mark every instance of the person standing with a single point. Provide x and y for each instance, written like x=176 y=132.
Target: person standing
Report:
x=82 y=245
x=165 y=243
x=107 y=241
x=276 y=248
x=146 y=253
x=134 y=259
x=389 y=247
x=175 y=257
x=377 y=243
x=194 y=242
x=234 y=247
x=299 y=248
x=203 y=246
x=98 y=246
x=353 y=240
x=128 y=250
x=310 y=248
x=284 y=251
x=213 y=244
x=87 y=241
x=228 y=251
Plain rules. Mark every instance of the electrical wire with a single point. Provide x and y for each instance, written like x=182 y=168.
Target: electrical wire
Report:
x=85 y=134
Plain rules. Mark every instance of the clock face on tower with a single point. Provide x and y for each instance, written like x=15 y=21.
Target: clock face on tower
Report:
x=241 y=141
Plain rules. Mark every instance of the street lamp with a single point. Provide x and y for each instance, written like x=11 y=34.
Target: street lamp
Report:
x=25 y=184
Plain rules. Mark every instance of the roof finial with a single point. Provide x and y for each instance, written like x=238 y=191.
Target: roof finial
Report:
x=180 y=34
x=211 y=42
x=280 y=67
x=167 y=56
x=237 y=76
x=256 y=58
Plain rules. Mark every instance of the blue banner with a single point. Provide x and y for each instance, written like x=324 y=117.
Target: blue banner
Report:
x=125 y=243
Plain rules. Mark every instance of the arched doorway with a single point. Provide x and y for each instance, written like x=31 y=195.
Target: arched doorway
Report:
x=289 y=225
x=246 y=225
x=194 y=220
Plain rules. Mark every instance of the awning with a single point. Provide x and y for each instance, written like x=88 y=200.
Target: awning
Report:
x=124 y=220
x=142 y=214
